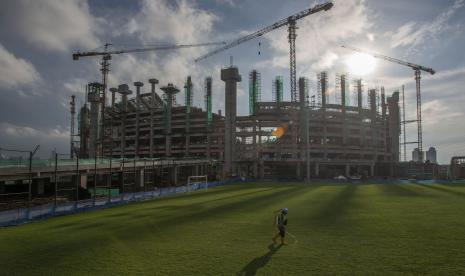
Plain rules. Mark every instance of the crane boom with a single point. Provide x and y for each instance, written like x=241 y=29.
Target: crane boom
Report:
x=77 y=55
x=282 y=22
x=409 y=64
x=417 y=69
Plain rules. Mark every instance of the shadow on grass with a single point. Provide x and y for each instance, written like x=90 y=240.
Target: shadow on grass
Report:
x=335 y=208
x=441 y=189
x=398 y=190
x=259 y=262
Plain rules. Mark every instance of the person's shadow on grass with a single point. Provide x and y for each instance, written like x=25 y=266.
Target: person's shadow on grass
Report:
x=259 y=262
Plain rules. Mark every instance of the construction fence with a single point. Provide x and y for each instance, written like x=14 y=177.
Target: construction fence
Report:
x=25 y=215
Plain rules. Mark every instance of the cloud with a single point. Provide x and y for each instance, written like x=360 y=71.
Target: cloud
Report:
x=15 y=72
x=26 y=137
x=226 y=2
x=319 y=35
x=53 y=25
x=414 y=34
x=76 y=86
x=16 y=131
x=178 y=22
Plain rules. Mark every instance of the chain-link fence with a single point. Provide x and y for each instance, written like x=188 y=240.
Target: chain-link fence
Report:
x=32 y=188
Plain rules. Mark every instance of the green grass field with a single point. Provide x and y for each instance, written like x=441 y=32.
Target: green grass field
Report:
x=341 y=229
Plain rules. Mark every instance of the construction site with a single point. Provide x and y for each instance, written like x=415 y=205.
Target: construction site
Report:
x=272 y=142
x=139 y=136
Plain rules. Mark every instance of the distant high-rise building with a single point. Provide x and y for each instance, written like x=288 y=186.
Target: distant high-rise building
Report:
x=431 y=155
x=417 y=156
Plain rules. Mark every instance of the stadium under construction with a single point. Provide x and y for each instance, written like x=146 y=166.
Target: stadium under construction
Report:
x=305 y=137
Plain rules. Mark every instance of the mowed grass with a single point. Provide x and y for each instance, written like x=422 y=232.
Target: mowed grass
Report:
x=341 y=229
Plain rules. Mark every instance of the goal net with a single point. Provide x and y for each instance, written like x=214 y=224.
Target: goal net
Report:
x=196 y=182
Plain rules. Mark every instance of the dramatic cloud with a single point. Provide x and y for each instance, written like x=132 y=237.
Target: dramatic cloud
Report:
x=320 y=35
x=174 y=22
x=179 y=22
x=49 y=24
x=414 y=34
x=15 y=71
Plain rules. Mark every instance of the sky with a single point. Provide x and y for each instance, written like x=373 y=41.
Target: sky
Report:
x=38 y=75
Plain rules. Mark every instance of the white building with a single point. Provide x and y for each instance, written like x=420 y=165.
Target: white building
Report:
x=431 y=155
x=417 y=156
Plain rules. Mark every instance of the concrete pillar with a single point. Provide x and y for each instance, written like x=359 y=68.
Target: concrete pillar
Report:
x=153 y=82
x=83 y=181
x=347 y=170
x=176 y=175
x=123 y=89
x=138 y=85
x=372 y=170
x=168 y=145
x=262 y=169
x=230 y=76
x=317 y=169
x=208 y=153
x=113 y=91
x=141 y=178
x=298 y=170
x=170 y=91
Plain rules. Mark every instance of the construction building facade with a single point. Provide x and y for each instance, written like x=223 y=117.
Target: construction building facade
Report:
x=273 y=141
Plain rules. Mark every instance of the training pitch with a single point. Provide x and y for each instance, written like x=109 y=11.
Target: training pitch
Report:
x=341 y=229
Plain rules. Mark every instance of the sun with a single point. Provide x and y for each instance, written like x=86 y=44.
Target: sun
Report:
x=361 y=64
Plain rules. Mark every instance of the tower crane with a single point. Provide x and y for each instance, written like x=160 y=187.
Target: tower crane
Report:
x=291 y=22
x=417 y=69
x=106 y=56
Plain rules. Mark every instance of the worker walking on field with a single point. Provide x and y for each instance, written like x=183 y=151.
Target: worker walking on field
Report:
x=280 y=222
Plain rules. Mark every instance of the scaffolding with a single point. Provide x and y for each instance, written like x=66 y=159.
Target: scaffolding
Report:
x=254 y=91
x=208 y=99
x=278 y=89
x=342 y=85
x=322 y=88
x=303 y=90
x=188 y=94
x=358 y=92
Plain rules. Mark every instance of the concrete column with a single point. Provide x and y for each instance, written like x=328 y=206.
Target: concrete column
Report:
x=168 y=145
x=317 y=169
x=83 y=181
x=175 y=176
x=298 y=171
x=113 y=91
x=208 y=153
x=372 y=170
x=138 y=85
x=123 y=89
x=141 y=178
x=262 y=169
x=347 y=170
x=153 y=82
x=230 y=76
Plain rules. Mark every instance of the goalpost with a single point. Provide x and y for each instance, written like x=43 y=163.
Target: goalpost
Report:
x=195 y=182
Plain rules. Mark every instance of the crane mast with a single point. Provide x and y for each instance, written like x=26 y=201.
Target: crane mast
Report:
x=291 y=22
x=417 y=70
